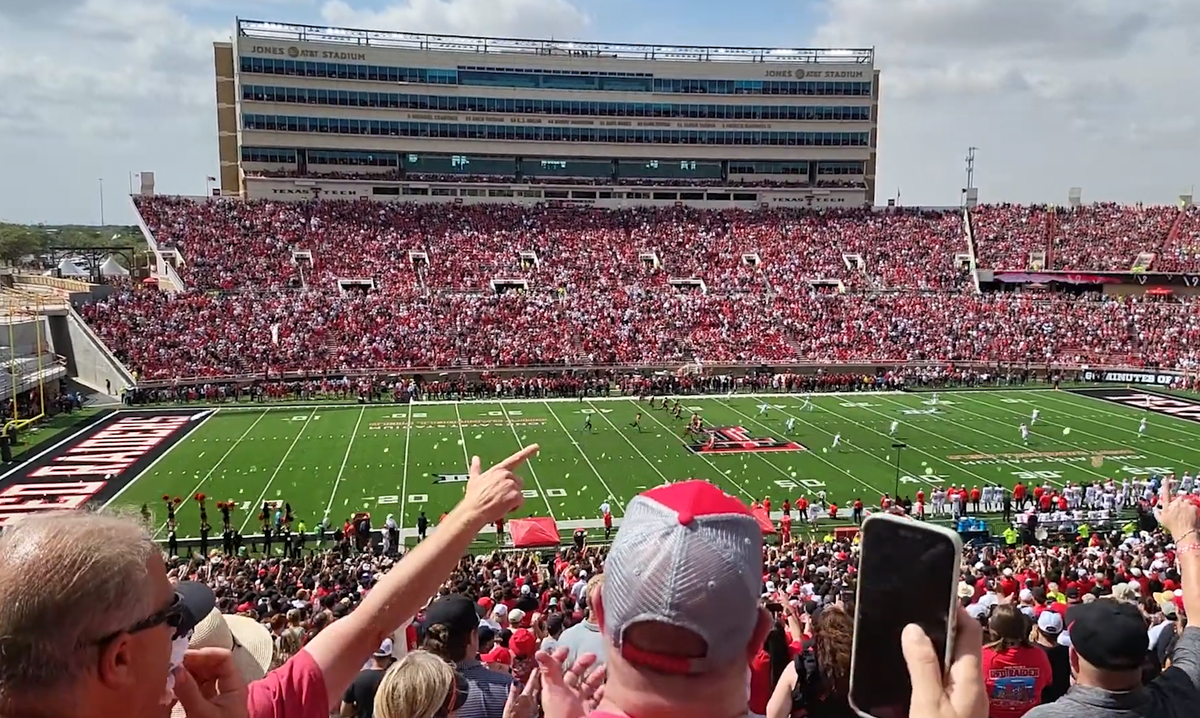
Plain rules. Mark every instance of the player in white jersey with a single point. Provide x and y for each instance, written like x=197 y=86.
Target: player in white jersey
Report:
x=807 y=405
x=605 y=508
x=938 y=501
x=814 y=514
x=837 y=440
x=934 y=399
x=1033 y=417
x=762 y=408
x=1024 y=433
x=1091 y=495
x=1186 y=482
x=1142 y=427
x=892 y=430
x=821 y=498
x=790 y=424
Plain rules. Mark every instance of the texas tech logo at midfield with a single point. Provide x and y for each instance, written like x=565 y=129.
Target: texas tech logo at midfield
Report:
x=735 y=439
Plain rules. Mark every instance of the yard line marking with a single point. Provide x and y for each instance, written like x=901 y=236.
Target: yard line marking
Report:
x=160 y=457
x=254 y=506
x=1024 y=447
x=649 y=463
x=532 y=471
x=595 y=471
x=895 y=439
x=788 y=476
x=462 y=435
x=338 y=480
x=404 y=477
x=672 y=432
x=211 y=471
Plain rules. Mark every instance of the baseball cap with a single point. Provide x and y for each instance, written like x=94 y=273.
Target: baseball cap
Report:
x=515 y=616
x=385 y=649
x=456 y=612
x=1050 y=623
x=499 y=654
x=1110 y=635
x=197 y=601
x=523 y=643
x=687 y=555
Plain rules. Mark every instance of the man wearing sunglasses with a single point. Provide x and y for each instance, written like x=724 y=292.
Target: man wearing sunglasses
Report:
x=91 y=626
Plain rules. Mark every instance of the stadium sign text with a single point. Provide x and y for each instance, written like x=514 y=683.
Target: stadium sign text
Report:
x=817 y=74
x=296 y=52
x=1130 y=377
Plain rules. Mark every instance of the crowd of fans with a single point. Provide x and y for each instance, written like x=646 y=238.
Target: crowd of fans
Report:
x=688 y=612
x=1102 y=237
x=206 y=334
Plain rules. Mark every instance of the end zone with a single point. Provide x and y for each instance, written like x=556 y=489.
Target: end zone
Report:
x=95 y=463
x=1178 y=407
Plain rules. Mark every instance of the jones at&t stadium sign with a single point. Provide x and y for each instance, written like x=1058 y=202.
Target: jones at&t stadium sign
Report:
x=95 y=463
x=1131 y=377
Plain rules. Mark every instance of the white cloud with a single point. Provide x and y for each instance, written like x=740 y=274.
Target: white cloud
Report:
x=1056 y=93
x=99 y=88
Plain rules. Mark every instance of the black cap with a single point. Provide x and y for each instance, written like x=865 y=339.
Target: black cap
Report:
x=198 y=601
x=1110 y=635
x=456 y=612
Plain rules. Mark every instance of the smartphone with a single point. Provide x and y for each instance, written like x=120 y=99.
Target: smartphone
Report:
x=908 y=573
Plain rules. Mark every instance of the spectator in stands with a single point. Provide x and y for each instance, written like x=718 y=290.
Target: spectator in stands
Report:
x=91 y=626
x=421 y=685
x=1046 y=632
x=584 y=637
x=452 y=633
x=1109 y=642
x=1015 y=671
x=359 y=700
x=679 y=610
x=817 y=681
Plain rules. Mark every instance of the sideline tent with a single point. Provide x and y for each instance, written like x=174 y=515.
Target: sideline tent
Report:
x=539 y=532
x=110 y=268
x=67 y=268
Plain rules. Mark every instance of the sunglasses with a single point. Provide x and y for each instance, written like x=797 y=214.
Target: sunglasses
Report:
x=457 y=697
x=173 y=616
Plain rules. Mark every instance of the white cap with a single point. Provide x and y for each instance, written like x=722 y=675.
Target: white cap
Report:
x=515 y=616
x=1026 y=595
x=1008 y=572
x=500 y=610
x=1050 y=623
x=525 y=589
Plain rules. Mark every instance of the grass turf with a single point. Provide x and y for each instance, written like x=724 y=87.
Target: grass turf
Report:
x=335 y=460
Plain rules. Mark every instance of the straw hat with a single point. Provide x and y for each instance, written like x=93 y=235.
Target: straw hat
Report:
x=250 y=641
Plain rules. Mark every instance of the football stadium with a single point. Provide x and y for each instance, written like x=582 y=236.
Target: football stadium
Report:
x=655 y=262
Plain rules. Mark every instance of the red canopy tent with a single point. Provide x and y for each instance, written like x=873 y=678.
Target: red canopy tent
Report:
x=538 y=532
x=764 y=521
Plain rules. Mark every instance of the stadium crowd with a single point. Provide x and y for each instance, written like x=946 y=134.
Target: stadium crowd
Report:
x=201 y=334
x=689 y=612
x=1102 y=237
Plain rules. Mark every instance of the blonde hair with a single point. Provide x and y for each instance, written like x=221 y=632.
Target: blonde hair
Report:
x=415 y=687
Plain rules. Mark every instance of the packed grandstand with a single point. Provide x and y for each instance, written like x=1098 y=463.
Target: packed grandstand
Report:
x=501 y=285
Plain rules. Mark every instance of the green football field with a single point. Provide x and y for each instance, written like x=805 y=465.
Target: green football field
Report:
x=329 y=460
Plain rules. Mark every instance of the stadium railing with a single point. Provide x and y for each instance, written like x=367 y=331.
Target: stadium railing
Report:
x=740 y=369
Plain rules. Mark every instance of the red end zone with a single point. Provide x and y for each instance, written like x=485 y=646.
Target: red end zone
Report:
x=95 y=463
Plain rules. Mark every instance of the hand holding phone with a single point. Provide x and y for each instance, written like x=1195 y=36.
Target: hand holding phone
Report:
x=908 y=574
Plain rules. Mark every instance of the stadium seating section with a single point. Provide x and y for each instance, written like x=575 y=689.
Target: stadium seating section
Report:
x=600 y=289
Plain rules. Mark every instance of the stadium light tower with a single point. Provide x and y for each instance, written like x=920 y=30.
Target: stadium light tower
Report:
x=898 y=447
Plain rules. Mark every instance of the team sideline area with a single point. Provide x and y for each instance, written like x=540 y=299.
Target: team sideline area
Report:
x=331 y=461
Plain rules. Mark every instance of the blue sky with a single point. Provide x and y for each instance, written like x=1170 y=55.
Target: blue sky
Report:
x=1055 y=93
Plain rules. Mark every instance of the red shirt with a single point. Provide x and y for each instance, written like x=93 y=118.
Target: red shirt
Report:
x=1015 y=680
x=760 y=683
x=294 y=690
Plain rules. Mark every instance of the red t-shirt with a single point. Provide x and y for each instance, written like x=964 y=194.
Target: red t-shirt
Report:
x=1015 y=680
x=760 y=683
x=294 y=690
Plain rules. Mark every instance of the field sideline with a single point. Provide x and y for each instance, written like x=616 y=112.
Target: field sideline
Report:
x=333 y=459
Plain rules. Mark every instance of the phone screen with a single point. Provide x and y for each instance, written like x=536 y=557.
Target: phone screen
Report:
x=907 y=574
